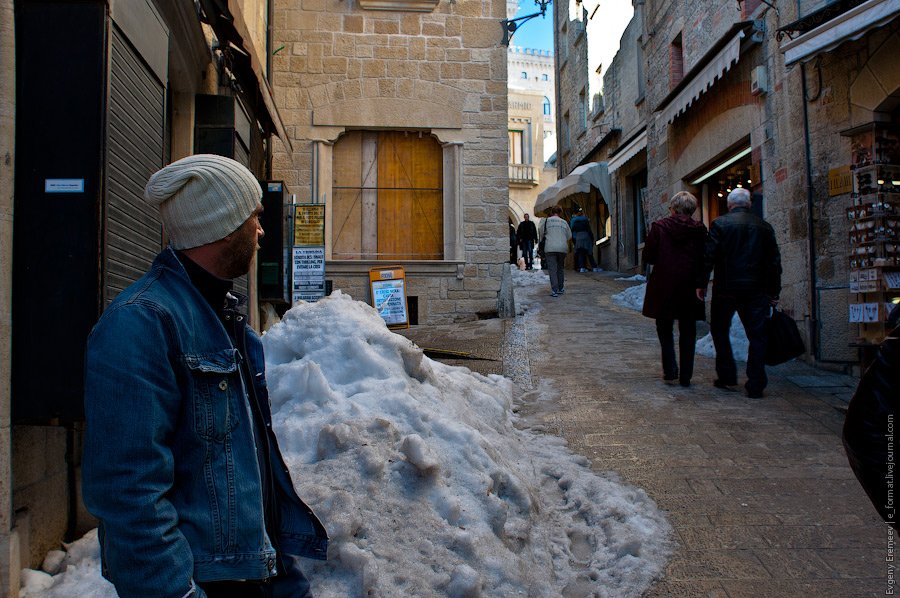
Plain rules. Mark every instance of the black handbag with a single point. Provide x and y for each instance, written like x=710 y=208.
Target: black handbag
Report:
x=784 y=341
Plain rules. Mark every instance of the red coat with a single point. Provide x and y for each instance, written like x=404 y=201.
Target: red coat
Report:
x=675 y=248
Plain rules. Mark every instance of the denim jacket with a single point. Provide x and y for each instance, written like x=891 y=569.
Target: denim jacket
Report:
x=170 y=466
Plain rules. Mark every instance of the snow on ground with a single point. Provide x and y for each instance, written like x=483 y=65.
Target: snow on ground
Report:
x=633 y=298
x=422 y=478
x=635 y=278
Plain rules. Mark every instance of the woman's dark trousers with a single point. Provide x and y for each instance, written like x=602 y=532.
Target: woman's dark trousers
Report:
x=687 y=340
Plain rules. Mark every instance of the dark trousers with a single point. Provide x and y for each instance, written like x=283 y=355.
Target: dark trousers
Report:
x=753 y=310
x=528 y=252
x=687 y=340
x=581 y=258
x=290 y=583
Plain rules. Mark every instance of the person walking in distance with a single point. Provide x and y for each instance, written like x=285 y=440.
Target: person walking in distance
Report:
x=742 y=253
x=674 y=247
x=181 y=465
x=584 y=241
x=527 y=235
x=556 y=235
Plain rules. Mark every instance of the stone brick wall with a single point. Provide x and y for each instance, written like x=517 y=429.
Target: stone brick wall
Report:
x=442 y=72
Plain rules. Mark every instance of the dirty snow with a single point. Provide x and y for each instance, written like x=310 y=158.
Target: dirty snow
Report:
x=423 y=479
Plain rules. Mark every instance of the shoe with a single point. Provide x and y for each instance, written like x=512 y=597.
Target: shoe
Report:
x=724 y=385
x=672 y=377
x=554 y=294
x=582 y=269
x=754 y=394
x=684 y=383
x=562 y=291
x=598 y=270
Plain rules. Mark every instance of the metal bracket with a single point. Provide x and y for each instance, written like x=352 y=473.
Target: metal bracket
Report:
x=510 y=26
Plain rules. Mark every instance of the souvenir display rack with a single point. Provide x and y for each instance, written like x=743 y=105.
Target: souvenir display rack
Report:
x=874 y=217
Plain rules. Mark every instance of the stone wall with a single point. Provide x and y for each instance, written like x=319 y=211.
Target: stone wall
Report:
x=442 y=72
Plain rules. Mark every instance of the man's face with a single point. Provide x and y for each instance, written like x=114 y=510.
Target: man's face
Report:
x=242 y=246
x=526 y=218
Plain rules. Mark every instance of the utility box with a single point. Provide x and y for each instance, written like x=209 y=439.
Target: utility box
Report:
x=273 y=259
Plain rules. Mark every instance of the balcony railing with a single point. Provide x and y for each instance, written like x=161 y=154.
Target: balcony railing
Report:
x=523 y=174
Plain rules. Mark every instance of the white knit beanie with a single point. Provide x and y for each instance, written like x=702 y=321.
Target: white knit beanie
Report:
x=203 y=198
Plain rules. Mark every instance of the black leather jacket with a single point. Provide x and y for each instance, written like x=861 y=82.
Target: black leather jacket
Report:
x=742 y=250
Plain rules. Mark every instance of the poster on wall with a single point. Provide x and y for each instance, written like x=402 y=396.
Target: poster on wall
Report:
x=388 y=292
x=308 y=253
x=309 y=273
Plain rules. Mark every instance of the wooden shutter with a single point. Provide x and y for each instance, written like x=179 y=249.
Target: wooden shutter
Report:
x=410 y=198
x=387 y=196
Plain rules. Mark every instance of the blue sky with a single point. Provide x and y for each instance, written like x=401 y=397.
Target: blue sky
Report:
x=536 y=33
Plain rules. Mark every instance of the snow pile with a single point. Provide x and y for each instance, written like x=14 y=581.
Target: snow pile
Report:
x=631 y=298
x=75 y=572
x=739 y=343
x=425 y=485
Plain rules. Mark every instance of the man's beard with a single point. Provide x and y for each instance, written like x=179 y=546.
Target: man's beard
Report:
x=241 y=250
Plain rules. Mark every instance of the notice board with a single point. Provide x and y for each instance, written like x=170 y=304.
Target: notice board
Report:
x=308 y=253
x=388 y=292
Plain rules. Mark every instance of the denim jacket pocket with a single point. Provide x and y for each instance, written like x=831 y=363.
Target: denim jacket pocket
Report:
x=215 y=387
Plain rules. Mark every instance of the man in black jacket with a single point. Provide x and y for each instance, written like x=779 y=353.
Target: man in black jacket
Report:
x=742 y=251
x=527 y=235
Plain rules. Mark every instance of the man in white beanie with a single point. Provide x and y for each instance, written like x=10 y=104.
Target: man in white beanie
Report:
x=181 y=465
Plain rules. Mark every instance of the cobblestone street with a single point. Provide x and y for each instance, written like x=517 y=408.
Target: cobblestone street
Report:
x=758 y=492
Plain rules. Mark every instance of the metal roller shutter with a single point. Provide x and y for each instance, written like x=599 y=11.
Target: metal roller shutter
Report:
x=135 y=150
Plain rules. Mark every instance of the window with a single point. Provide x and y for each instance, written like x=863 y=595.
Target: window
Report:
x=524 y=75
x=388 y=196
x=516 y=147
x=565 y=133
x=583 y=102
x=546 y=106
x=676 y=62
x=545 y=77
x=639 y=70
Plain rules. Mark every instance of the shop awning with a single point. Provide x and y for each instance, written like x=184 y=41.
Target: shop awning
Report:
x=628 y=151
x=850 y=25
x=580 y=180
x=705 y=73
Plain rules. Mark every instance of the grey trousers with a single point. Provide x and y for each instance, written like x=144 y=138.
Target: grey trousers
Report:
x=556 y=262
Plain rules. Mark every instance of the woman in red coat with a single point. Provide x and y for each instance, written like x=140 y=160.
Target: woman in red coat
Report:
x=675 y=248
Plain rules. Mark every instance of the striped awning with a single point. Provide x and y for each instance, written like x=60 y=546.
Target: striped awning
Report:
x=714 y=69
x=628 y=151
x=847 y=26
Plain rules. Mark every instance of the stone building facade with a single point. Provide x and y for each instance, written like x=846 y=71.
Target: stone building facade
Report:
x=601 y=115
x=532 y=128
x=739 y=95
x=397 y=113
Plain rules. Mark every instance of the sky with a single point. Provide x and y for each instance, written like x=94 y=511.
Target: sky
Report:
x=536 y=33
x=426 y=479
